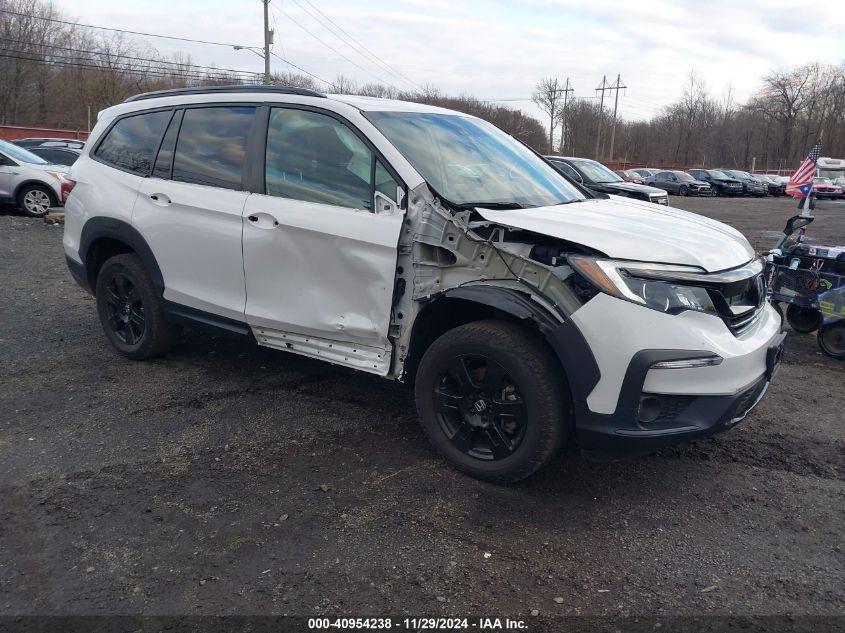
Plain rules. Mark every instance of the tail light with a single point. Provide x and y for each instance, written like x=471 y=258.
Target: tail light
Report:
x=67 y=187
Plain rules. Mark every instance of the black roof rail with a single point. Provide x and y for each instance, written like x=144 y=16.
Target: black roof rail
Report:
x=198 y=90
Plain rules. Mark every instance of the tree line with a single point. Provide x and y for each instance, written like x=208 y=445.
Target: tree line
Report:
x=54 y=73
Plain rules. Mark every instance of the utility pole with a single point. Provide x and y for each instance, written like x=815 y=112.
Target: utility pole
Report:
x=268 y=39
x=615 y=107
x=567 y=89
x=604 y=86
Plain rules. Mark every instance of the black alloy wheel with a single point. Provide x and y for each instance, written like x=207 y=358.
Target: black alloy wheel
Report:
x=682 y=190
x=480 y=408
x=124 y=309
x=130 y=309
x=493 y=399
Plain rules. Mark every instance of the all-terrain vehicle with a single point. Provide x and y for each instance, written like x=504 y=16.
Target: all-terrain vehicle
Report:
x=810 y=281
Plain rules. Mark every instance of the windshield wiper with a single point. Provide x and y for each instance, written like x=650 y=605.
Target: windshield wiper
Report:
x=495 y=206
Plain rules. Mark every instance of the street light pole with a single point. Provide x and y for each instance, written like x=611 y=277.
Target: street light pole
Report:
x=268 y=36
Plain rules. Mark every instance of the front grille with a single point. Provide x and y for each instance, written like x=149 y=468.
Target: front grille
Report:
x=740 y=303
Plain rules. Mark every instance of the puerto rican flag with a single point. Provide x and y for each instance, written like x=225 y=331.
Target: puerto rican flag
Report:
x=801 y=182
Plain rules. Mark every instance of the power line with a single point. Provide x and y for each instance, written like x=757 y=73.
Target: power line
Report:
x=71 y=62
x=330 y=47
x=355 y=44
x=299 y=68
x=129 y=57
x=106 y=28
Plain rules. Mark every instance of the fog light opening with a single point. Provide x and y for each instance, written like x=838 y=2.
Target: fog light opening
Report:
x=649 y=410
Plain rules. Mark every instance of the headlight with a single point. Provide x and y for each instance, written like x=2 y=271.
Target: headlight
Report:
x=629 y=281
x=56 y=175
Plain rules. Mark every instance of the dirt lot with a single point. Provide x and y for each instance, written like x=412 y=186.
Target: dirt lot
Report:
x=225 y=480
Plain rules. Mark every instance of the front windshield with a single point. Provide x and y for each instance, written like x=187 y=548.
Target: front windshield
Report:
x=822 y=181
x=20 y=154
x=596 y=172
x=720 y=175
x=683 y=176
x=471 y=162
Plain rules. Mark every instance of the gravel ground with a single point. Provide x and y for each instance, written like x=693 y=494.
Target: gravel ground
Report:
x=231 y=480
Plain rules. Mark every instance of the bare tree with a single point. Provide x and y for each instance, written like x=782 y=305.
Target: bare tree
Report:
x=547 y=96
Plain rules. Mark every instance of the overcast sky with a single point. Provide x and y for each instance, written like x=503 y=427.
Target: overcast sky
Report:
x=499 y=50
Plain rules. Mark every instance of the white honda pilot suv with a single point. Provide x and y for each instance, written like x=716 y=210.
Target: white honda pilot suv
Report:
x=424 y=245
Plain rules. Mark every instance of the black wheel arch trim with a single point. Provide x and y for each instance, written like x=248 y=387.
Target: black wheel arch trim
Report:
x=121 y=231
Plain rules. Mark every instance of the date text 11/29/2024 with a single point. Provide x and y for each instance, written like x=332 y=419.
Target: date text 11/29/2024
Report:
x=418 y=624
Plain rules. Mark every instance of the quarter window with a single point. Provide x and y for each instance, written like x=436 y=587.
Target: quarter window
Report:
x=212 y=146
x=315 y=158
x=132 y=142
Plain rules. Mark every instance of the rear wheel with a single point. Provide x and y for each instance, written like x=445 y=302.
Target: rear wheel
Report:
x=831 y=339
x=493 y=400
x=36 y=200
x=804 y=320
x=130 y=310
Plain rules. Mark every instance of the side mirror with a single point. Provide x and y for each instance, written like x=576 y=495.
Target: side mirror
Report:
x=384 y=205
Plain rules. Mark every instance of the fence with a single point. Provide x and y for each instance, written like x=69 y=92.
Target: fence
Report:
x=10 y=132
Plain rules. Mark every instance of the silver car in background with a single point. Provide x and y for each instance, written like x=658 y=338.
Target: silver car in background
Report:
x=28 y=181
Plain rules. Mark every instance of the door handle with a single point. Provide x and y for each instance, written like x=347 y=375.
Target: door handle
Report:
x=263 y=220
x=160 y=199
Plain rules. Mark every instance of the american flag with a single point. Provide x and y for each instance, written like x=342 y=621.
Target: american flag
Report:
x=801 y=182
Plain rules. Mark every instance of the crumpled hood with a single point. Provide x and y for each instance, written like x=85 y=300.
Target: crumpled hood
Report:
x=629 y=229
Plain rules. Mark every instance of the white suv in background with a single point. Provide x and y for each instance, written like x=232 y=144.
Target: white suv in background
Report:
x=426 y=245
x=29 y=181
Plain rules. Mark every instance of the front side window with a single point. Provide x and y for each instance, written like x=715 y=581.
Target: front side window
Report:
x=212 y=146
x=132 y=142
x=567 y=169
x=316 y=158
x=471 y=162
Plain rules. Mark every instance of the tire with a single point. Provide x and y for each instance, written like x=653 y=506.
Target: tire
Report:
x=463 y=412
x=804 y=320
x=682 y=190
x=831 y=339
x=130 y=309
x=36 y=200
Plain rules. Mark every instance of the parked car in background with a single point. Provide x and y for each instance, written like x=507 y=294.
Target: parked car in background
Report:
x=629 y=175
x=825 y=188
x=680 y=183
x=49 y=142
x=596 y=177
x=333 y=227
x=720 y=182
x=776 y=186
x=57 y=155
x=29 y=181
x=750 y=185
x=645 y=172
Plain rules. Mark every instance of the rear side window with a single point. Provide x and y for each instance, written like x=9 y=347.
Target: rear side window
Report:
x=212 y=146
x=316 y=158
x=132 y=142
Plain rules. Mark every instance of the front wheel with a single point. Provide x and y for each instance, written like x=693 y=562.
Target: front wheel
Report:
x=831 y=339
x=493 y=400
x=804 y=320
x=682 y=190
x=130 y=310
x=36 y=200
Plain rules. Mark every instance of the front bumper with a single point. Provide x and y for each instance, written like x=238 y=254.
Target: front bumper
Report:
x=624 y=407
